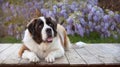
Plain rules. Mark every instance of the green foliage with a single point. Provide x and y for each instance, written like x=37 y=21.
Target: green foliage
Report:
x=9 y=39
x=93 y=38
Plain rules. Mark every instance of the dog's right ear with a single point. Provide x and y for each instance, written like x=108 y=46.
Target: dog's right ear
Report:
x=31 y=26
x=38 y=13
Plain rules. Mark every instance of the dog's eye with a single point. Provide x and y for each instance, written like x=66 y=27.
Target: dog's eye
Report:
x=50 y=24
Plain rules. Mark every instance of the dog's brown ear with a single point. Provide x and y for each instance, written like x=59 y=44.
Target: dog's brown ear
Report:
x=31 y=26
x=38 y=13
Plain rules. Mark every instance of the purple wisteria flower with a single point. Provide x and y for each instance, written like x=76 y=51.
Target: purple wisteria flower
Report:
x=50 y=14
x=82 y=21
x=69 y=30
x=90 y=15
x=106 y=18
x=29 y=4
x=112 y=27
x=12 y=9
x=92 y=2
x=93 y=9
x=89 y=7
x=37 y=5
x=79 y=30
x=111 y=13
x=7 y=4
x=117 y=18
x=64 y=13
x=95 y=18
x=97 y=28
x=74 y=6
x=8 y=18
x=70 y=20
x=44 y=11
x=55 y=8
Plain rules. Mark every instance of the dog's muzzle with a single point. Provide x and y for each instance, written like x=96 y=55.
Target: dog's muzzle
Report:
x=49 y=35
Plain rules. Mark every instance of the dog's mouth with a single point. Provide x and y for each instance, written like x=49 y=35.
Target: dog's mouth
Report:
x=48 y=39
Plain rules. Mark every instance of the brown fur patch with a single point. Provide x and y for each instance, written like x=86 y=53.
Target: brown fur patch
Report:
x=22 y=50
x=61 y=40
x=65 y=42
x=65 y=39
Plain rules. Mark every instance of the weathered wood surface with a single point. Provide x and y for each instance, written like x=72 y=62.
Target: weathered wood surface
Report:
x=87 y=55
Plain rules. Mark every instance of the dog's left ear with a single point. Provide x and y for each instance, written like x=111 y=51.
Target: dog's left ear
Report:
x=31 y=27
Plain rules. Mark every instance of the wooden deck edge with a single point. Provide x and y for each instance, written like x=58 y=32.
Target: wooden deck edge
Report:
x=64 y=65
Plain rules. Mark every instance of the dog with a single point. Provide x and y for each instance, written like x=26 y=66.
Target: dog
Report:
x=44 y=39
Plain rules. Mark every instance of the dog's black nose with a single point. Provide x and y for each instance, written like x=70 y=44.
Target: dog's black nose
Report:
x=48 y=30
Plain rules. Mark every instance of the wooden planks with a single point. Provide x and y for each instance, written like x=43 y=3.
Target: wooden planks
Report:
x=13 y=58
x=87 y=55
x=105 y=54
x=62 y=60
x=74 y=58
x=23 y=61
x=6 y=53
x=99 y=54
x=4 y=46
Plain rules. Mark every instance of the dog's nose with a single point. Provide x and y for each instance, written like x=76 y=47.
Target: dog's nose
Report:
x=48 y=30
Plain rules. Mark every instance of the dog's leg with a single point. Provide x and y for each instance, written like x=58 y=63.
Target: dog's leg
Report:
x=30 y=55
x=22 y=50
x=54 y=54
x=67 y=43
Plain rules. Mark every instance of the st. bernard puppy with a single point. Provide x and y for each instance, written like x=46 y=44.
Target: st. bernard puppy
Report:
x=44 y=38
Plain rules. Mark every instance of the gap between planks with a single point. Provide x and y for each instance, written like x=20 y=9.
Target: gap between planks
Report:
x=4 y=47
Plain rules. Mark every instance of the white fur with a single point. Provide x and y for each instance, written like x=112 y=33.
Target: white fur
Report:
x=31 y=56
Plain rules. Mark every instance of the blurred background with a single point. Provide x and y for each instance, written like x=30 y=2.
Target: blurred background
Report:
x=91 y=21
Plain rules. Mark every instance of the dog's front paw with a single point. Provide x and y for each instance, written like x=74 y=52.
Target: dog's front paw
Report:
x=50 y=58
x=33 y=57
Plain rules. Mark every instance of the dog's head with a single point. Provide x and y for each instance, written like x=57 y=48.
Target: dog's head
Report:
x=42 y=29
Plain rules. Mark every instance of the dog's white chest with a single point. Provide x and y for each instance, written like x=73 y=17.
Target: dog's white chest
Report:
x=42 y=50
